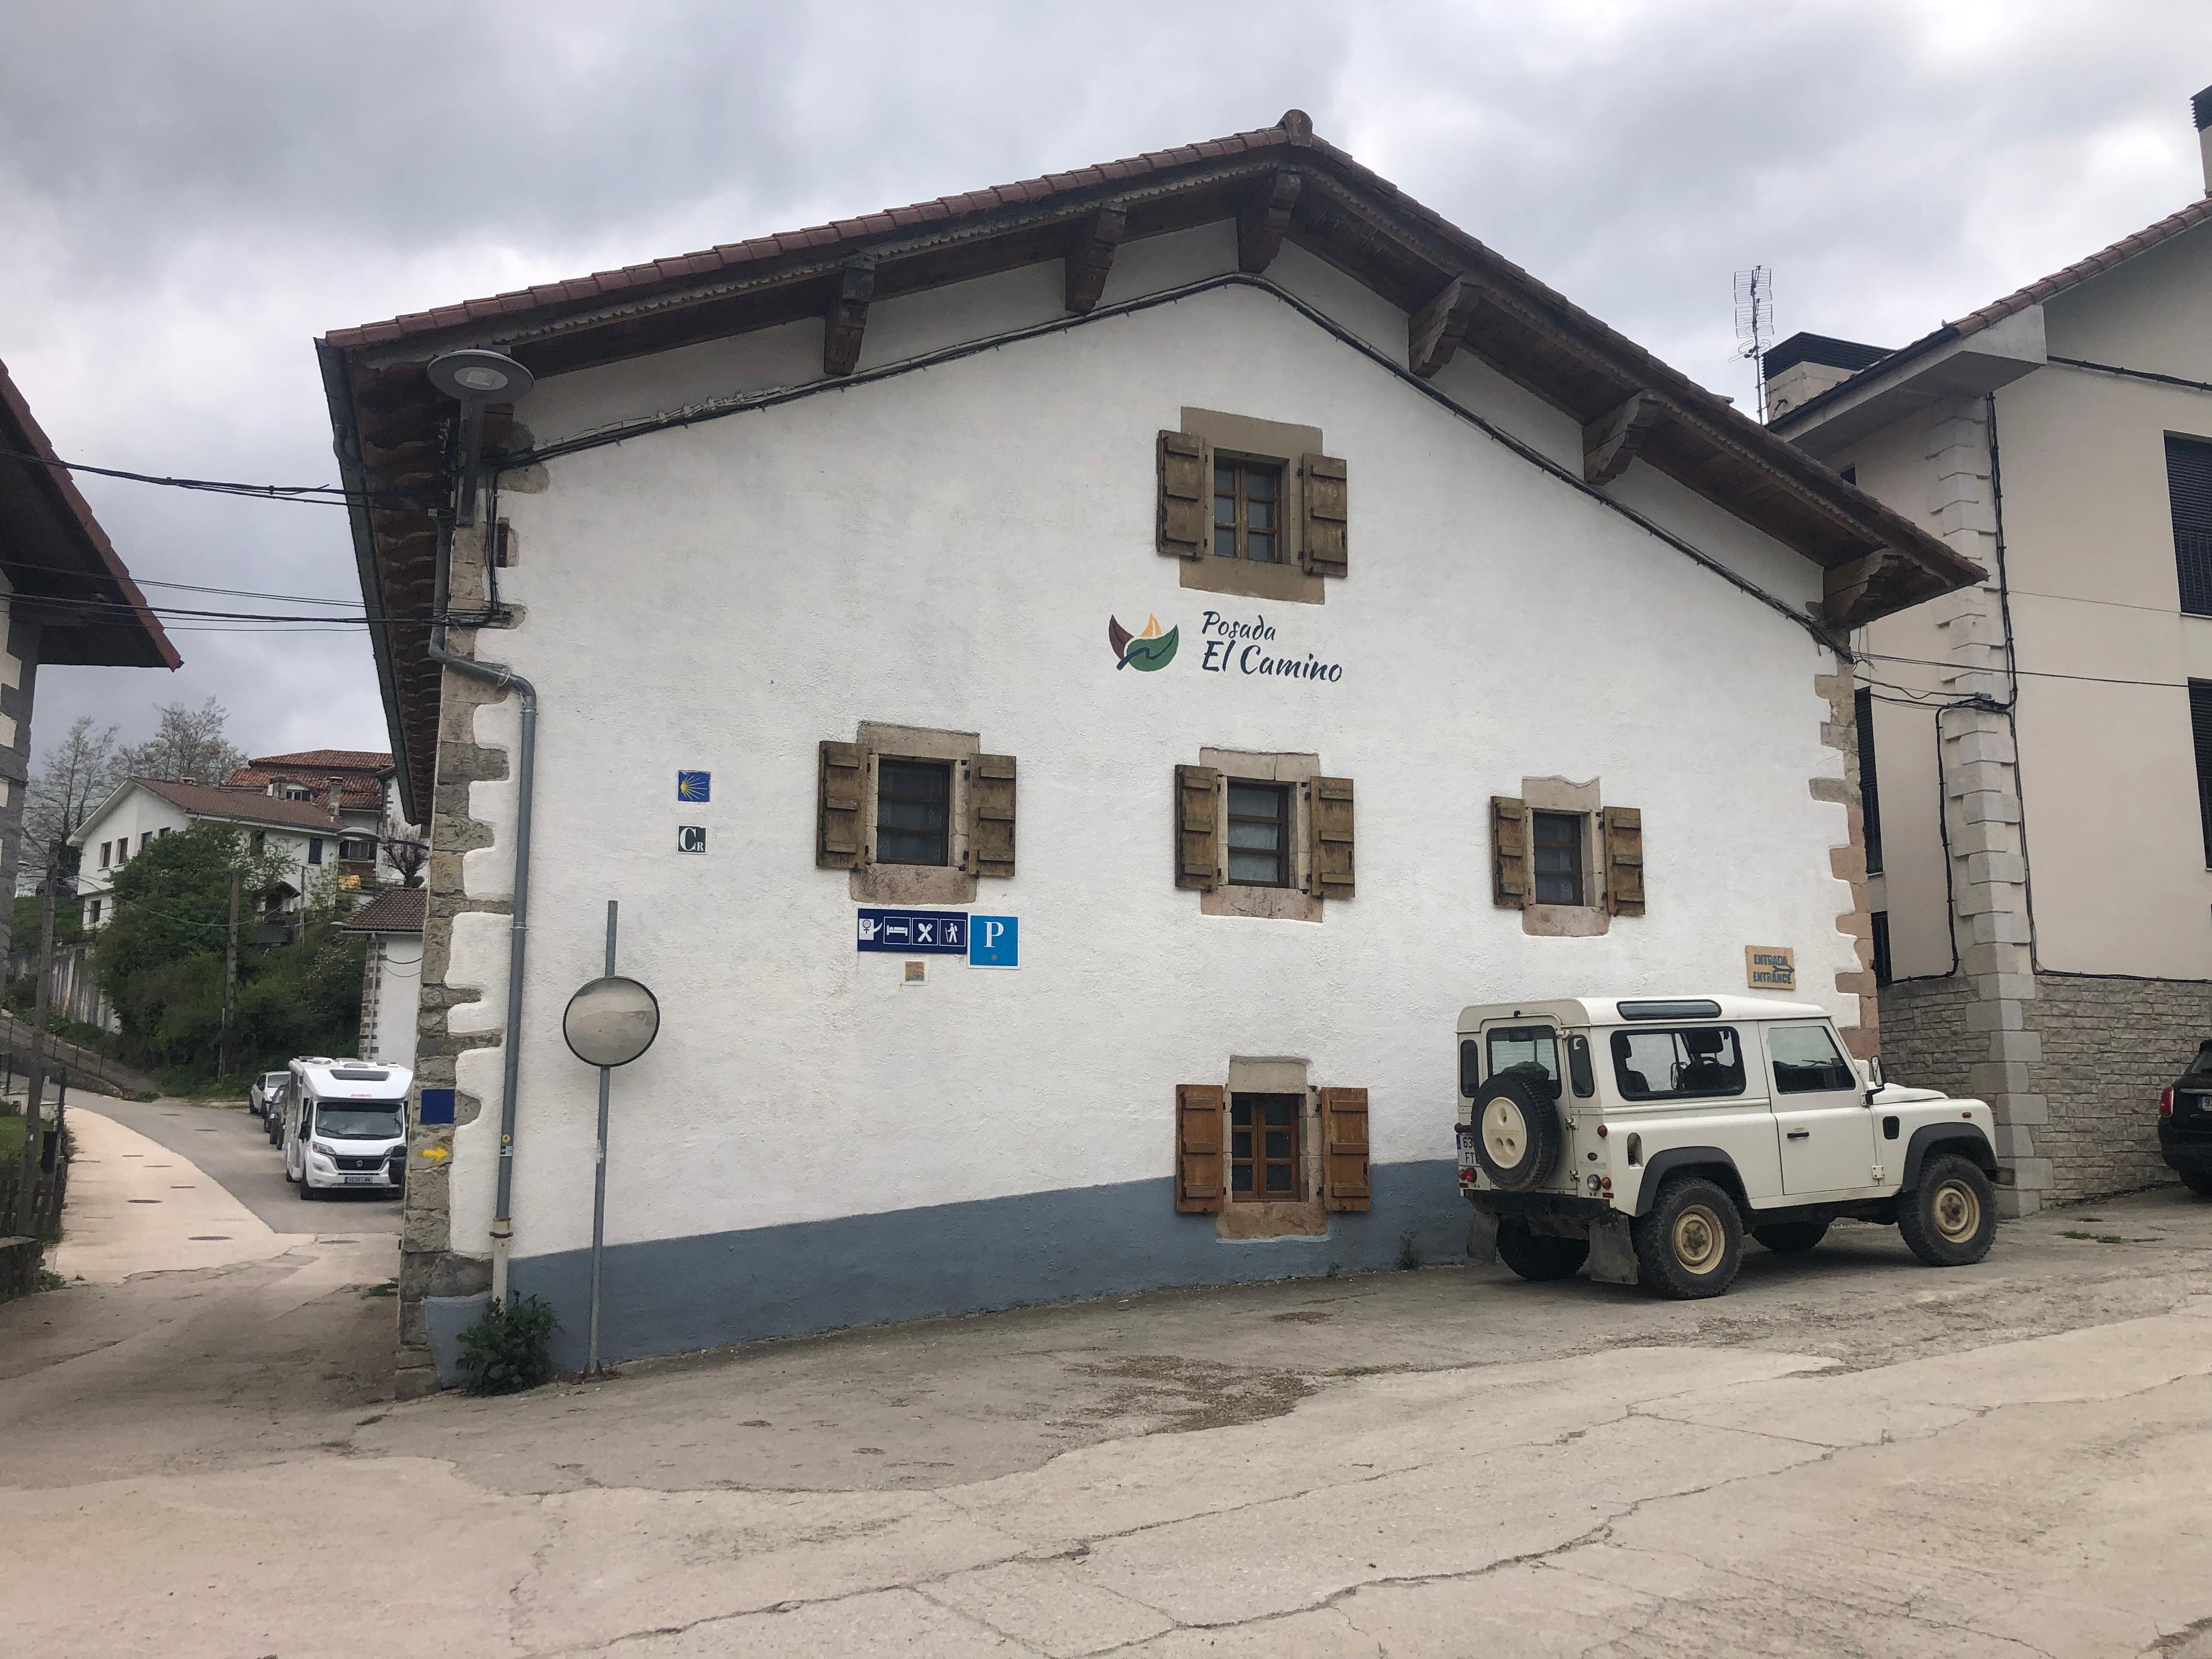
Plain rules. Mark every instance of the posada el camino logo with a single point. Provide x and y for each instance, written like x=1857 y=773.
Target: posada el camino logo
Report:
x=1146 y=652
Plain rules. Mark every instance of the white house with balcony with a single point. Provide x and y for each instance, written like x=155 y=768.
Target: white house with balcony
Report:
x=309 y=836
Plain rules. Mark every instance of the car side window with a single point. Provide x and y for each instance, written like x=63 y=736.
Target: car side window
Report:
x=1679 y=1063
x=1806 y=1060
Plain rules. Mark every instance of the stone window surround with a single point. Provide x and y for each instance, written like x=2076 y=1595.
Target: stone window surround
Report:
x=1283 y=582
x=950 y=883
x=1591 y=918
x=1245 y=1220
x=1296 y=902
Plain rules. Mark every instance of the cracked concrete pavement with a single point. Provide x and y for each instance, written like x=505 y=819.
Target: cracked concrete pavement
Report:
x=1849 y=1453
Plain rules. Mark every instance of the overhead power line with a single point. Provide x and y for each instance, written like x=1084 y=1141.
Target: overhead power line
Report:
x=313 y=495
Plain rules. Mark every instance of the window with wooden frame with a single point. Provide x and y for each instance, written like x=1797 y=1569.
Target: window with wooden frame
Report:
x=1264 y=1163
x=1247 y=502
x=914 y=800
x=1253 y=508
x=1556 y=849
x=1566 y=862
x=1258 y=834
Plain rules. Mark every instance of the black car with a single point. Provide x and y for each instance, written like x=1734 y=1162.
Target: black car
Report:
x=2184 y=1124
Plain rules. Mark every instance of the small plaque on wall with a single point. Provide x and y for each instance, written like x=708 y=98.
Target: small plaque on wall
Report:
x=1770 y=967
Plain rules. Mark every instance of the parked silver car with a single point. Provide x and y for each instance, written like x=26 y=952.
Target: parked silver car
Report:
x=264 y=1091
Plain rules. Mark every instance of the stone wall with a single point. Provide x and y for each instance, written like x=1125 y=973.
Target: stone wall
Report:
x=2109 y=1046
x=1923 y=1033
x=429 y=1265
x=1847 y=862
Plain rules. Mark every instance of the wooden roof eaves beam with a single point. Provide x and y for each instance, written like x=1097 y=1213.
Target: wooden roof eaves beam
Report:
x=845 y=324
x=1612 y=441
x=1265 y=220
x=1089 y=257
x=1493 y=288
x=1436 y=330
x=803 y=269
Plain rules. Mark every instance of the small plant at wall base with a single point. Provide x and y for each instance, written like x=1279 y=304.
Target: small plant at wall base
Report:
x=507 y=1350
x=1409 y=1255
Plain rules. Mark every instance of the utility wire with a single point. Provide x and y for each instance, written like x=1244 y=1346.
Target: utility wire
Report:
x=2030 y=673
x=310 y=494
x=14 y=564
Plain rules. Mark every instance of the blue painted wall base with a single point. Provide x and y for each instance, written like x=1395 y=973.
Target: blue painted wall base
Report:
x=676 y=1295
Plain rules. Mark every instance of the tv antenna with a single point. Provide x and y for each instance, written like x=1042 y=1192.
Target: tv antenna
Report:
x=1754 y=325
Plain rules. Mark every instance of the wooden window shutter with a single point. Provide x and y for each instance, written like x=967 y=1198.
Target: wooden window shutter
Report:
x=1344 y=1149
x=991 y=815
x=1332 y=838
x=1186 y=502
x=840 y=792
x=1624 y=860
x=1201 y=1180
x=1198 y=828
x=1509 y=853
x=1327 y=509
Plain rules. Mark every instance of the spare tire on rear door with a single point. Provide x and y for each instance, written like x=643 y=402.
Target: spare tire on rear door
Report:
x=1518 y=1133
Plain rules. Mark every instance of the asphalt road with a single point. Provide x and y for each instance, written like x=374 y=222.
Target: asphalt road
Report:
x=232 y=1149
x=1848 y=1454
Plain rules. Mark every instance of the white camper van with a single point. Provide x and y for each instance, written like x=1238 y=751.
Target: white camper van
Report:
x=345 y=1126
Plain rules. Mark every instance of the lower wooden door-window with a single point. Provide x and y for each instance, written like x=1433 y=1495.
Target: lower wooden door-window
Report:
x=1263 y=1148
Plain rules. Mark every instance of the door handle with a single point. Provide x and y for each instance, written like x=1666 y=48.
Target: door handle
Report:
x=1800 y=1134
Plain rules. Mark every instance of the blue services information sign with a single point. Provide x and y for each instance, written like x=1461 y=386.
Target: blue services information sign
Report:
x=995 y=941
x=914 y=933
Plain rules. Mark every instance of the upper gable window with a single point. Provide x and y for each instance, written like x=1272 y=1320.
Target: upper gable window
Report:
x=1252 y=507
x=1247 y=498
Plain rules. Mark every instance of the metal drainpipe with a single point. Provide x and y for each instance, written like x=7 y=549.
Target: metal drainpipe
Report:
x=500 y=676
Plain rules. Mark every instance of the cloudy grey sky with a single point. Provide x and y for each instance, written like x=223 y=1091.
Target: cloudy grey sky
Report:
x=191 y=190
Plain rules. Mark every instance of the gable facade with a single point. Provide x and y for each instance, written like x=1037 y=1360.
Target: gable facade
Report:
x=947 y=633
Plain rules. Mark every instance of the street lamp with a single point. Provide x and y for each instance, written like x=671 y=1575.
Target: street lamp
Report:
x=477 y=377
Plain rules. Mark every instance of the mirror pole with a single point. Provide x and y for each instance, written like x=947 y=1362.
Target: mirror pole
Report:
x=599 y=1176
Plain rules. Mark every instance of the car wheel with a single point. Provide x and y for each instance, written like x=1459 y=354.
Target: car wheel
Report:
x=307 y=1192
x=1791 y=1238
x=1950 y=1218
x=2198 y=1181
x=1691 y=1242
x=1518 y=1133
x=1536 y=1256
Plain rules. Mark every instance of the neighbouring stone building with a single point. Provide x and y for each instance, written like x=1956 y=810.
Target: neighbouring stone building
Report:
x=1355 y=628
x=2037 y=747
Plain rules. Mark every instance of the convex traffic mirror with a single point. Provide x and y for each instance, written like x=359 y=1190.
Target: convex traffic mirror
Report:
x=611 y=1021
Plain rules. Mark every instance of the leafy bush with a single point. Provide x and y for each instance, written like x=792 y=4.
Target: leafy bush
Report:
x=507 y=1350
x=160 y=962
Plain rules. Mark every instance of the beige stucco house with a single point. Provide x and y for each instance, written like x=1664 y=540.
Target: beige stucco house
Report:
x=2036 y=751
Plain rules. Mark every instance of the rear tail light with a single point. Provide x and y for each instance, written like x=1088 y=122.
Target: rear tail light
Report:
x=2166 y=1103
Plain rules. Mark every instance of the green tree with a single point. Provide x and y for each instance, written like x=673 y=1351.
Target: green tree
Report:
x=161 y=960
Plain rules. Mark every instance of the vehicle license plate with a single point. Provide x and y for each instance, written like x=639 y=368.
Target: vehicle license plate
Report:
x=360 y=1181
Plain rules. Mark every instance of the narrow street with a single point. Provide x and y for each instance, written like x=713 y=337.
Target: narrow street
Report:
x=1849 y=1454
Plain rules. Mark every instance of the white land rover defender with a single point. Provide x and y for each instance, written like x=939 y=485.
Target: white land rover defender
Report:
x=1647 y=1135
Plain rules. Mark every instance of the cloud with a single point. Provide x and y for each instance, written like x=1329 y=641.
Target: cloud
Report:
x=194 y=192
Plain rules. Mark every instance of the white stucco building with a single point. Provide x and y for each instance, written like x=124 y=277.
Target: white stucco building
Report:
x=2043 y=740
x=309 y=838
x=392 y=974
x=1298 y=620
